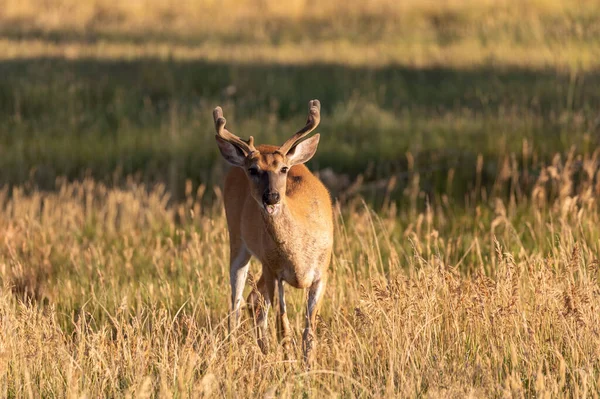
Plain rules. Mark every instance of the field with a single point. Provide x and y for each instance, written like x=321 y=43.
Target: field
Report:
x=460 y=141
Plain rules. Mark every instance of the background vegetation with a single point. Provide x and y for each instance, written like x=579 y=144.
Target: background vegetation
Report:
x=103 y=86
x=459 y=138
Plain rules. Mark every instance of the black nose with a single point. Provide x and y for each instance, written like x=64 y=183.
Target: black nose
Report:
x=271 y=198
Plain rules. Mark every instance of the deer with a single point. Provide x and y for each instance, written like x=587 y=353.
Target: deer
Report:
x=280 y=213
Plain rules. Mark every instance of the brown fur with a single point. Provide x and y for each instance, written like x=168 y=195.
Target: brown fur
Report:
x=294 y=246
x=278 y=211
x=285 y=247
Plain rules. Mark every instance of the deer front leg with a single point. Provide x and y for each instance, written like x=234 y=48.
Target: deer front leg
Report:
x=283 y=325
x=238 y=272
x=259 y=301
x=315 y=294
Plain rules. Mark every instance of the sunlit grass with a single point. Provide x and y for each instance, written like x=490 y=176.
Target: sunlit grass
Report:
x=116 y=291
x=466 y=252
x=464 y=33
x=467 y=54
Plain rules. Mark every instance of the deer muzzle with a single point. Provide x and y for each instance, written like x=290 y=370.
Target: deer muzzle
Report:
x=272 y=202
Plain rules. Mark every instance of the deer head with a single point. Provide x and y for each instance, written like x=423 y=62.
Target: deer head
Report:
x=267 y=170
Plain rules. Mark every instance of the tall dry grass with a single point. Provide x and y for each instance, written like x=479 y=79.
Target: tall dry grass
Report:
x=118 y=292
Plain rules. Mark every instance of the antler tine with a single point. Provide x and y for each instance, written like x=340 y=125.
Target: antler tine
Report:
x=220 y=121
x=314 y=117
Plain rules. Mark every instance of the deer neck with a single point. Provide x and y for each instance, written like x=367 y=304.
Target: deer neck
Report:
x=283 y=227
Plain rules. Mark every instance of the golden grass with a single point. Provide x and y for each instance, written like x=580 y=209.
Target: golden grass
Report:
x=115 y=292
x=224 y=14
x=120 y=292
x=462 y=55
x=462 y=33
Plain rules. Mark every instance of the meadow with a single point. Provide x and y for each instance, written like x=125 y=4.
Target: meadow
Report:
x=460 y=142
x=114 y=292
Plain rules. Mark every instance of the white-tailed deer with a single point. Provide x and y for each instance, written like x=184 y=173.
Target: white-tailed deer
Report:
x=278 y=211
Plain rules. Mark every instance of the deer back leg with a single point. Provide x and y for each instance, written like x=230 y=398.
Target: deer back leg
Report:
x=259 y=301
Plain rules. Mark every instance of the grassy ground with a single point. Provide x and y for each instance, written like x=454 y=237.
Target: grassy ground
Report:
x=152 y=117
x=470 y=128
x=111 y=292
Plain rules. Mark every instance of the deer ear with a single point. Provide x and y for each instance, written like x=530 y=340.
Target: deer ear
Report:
x=304 y=151
x=230 y=152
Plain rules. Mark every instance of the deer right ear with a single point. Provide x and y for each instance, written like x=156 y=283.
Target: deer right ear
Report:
x=230 y=152
x=304 y=151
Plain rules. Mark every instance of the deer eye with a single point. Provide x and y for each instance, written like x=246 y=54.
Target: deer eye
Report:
x=253 y=171
x=284 y=169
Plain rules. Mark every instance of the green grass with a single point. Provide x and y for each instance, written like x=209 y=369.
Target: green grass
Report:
x=152 y=117
x=109 y=89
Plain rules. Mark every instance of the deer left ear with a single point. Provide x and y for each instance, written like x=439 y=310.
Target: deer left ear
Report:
x=232 y=154
x=303 y=151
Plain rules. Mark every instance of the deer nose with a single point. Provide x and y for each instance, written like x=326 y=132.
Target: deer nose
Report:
x=271 y=198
